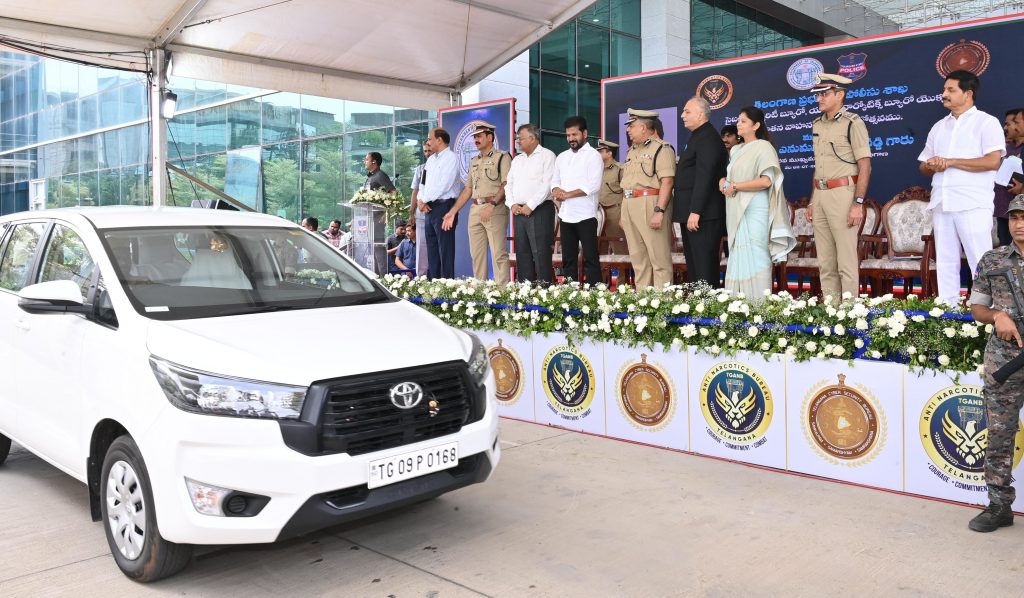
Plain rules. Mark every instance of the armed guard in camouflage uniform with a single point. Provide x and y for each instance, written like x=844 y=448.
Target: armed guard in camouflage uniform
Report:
x=998 y=298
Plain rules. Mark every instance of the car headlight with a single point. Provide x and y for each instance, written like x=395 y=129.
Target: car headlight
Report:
x=210 y=394
x=478 y=360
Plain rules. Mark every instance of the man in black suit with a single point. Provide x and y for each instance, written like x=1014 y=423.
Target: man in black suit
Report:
x=699 y=204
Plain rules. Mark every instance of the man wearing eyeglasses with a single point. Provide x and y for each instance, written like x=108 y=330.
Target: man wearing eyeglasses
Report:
x=842 y=168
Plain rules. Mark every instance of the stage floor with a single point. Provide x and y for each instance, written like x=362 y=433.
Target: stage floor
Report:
x=565 y=514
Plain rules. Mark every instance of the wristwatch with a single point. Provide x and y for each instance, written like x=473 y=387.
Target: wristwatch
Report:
x=859 y=200
x=659 y=210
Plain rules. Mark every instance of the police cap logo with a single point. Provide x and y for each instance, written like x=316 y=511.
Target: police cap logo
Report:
x=508 y=373
x=406 y=395
x=736 y=402
x=954 y=432
x=843 y=424
x=803 y=73
x=568 y=380
x=964 y=55
x=645 y=395
x=716 y=90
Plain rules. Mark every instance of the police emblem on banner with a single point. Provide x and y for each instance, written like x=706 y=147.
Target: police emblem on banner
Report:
x=464 y=148
x=568 y=380
x=716 y=90
x=843 y=424
x=970 y=56
x=508 y=373
x=803 y=73
x=954 y=431
x=853 y=65
x=646 y=395
x=736 y=403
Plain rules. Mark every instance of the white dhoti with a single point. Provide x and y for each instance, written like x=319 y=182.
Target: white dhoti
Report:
x=421 y=245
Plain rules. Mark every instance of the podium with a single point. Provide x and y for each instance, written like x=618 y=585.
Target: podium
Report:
x=368 y=240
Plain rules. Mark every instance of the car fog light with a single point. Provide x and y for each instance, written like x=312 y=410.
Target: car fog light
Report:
x=207 y=499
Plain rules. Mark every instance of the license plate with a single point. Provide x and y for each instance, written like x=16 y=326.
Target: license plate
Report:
x=413 y=464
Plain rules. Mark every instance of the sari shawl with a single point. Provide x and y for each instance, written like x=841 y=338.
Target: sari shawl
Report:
x=749 y=161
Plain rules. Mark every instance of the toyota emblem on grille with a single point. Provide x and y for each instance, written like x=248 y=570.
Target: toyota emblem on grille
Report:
x=406 y=395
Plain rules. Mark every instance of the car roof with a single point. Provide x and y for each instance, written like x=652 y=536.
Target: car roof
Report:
x=144 y=216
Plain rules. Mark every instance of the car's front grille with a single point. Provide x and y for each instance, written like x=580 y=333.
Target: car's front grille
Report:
x=359 y=417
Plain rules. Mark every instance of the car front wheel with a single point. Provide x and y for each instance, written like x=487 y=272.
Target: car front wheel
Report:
x=130 y=519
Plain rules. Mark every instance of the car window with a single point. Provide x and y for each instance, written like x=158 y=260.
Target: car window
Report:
x=66 y=258
x=16 y=264
x=206 y=271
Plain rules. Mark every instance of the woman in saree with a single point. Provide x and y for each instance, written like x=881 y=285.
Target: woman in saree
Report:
x=756 y=216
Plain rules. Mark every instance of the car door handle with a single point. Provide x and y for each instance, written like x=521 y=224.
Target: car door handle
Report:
x=22 y=325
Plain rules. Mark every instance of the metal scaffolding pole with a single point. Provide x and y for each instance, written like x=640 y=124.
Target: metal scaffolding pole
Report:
x=157 y=125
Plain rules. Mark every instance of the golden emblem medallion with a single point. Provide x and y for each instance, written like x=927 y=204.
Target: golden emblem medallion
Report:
x=842 y=423
x=508 y=373
x=645 y=395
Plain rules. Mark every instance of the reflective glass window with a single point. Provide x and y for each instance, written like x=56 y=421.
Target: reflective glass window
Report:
x=597 y=14
x=109 y=187
x=185 y=89
x=88 y=114
x=281 y=180
x=209 y=92
x=359 y=115
x=590 y=104
x=322 y=116
x=243 y=120
x=625 y=55
x=408 y=153
x=322 y=186
x=88 y=188
x=624 y=16
x=181 y=136
x=282 y=117
x=134 y=102
x=558 y=94
x=87 y=153
x=134 y=144
x=558 y=50
x=135 y=186
x=592 y=60
x=211 y=130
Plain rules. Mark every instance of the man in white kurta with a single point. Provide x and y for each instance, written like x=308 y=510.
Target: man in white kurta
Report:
x=961 y=155
x=575 y=186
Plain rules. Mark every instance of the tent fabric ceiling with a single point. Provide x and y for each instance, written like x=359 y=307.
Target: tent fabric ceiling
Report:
x=411 y=53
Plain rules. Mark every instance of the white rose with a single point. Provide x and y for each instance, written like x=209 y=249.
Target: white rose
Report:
x=715 y=349
x=811 y=346
x=752 y=331
x=721 y=335
x=783 y=342
x=943 y=360
x=936 y=312
x=858 y=343
x=911 y=350
x=918 y=318
x=765 y=346
x=655 y=303
x=838 y=351
x=840 y=329
x=949 y=332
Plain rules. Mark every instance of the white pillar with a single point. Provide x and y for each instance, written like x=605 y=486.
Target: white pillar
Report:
x=664 y=33
x=157 y=125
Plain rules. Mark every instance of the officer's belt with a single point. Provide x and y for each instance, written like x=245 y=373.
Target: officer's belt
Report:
x=641 y=192
x=833 y=183
x=483 y=200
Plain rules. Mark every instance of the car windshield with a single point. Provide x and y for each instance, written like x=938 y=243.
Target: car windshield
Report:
x=199 y=272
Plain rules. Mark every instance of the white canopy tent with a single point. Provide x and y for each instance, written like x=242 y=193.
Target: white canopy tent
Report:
x=410 y=53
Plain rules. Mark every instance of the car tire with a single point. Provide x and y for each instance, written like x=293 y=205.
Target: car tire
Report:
x=5 y=448
x=129 y=517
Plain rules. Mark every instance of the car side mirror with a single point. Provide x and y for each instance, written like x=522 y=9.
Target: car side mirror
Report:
x=54 y=296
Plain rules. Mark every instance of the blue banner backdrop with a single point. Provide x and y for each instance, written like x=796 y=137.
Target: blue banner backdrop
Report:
x=897 y=90
x=459 y=121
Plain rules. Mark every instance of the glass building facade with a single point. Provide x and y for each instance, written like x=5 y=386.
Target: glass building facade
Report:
x=727 y=29
x=567 y=66
x=74 y=135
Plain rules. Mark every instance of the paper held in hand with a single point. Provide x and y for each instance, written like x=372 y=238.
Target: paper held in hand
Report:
x=1011 y=165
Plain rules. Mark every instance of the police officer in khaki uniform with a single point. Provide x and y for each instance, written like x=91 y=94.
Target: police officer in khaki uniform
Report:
x=842 y=168
x=996 y=298
x=488 y=216
x=647 y=179
x=611 y=196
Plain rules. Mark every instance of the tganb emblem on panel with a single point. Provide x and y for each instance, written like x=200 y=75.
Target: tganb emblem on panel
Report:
x=716 y=90
x=568 y=380
x=843 y=423
x=646 y=395
x=954 y=431
x=508 y=373
x=737 y=404
x=803 y=73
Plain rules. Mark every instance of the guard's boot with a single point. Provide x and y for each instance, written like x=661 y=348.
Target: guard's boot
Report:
x=992 y=518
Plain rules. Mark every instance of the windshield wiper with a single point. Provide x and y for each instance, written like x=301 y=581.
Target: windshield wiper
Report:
x=253 y=309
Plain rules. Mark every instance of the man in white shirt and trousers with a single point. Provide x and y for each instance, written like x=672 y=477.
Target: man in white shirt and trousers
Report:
x=961 y=155
x=437 y=194
x=420 y=217
x=574 y=187
x=528 y=195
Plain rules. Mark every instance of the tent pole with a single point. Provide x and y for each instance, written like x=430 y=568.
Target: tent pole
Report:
x=157 y=124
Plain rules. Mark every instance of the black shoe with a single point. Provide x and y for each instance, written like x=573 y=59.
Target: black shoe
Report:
x=992 y=518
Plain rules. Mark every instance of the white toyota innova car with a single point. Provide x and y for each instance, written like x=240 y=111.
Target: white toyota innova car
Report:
x=217 y=377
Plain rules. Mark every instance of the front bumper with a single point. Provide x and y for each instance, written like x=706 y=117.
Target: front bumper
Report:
x=250 y=456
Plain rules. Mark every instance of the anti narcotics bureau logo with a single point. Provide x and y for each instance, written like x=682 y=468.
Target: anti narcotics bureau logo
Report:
x=954 y=432
x=736 y=404
x=843 y=424
x=568 y=380
x=716 y=90
x=646 y=396
x=803 y=73
x=508 y=373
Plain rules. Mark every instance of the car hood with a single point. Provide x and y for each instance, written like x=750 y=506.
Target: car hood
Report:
x=302 y=346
